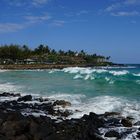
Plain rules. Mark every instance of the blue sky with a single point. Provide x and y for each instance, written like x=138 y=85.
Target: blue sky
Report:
x=107 y=27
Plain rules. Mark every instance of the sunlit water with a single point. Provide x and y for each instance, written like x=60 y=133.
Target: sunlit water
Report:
x=88 y=89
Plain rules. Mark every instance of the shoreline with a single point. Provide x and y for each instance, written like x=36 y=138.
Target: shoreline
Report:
x=20 y=113
x=38 y=66
x=50 y=66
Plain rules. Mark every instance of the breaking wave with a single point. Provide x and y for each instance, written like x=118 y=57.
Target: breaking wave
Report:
x=82 y=105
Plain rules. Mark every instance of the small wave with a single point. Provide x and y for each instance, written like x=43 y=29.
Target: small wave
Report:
x=74 y=99
x=102 y=104
x=3 y=70
x=78 y=76
x=109 y=80
x=87 y=77
x=119 y=67
x=138 y=74
x=9 y=87
x=138 y=82
x=53 y=71
x=83 y=70
x=72 y=69
x=117 y=73
x=120 y=130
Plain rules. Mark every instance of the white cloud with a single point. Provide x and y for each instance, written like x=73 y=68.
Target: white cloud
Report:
x=39 y=2
x=123 y=13
x=82 y=12
x=122 y=4
x=113 y=7
x=58 y=23
x=79 y=13
x=19 y=3
x=10 y=27
x=120 y=8
x=35 y=19
x=30 y=20
x=131 y=2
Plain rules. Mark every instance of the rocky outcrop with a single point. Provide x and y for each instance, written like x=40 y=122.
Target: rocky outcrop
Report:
x=44 y=120
x=62 y=103
x=15 y=126
x=126 y=122
x=113 y=133
x=25 y=98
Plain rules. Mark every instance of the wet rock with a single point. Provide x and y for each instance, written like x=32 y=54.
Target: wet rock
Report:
x=3 y=137
x=66 y=113
x=112 y=133
x=138 y=134
x=111 y=114
x=77 y=110
x=25 y=98
x=62 y=103
x=137 y=123
x=34 y=128
x=126 y=122
x=7 y=94
x=21 y=137
x=40 y=99
x=126 y=132
x=14 y=128
x=130 y=118
x=115 y=122
x=94 y=119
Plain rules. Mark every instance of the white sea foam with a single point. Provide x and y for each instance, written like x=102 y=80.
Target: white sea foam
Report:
x=74 y=99
x=138 y=82
x=9 y=87
x=3 y=70
x=111 y=82
x=89 y=71
x=83 y=70
x=73 y=69
x=87 y=77
x=82 y=105
x=131 y=136
x=107 y=79
x=117 y=73
x=78 y=76
x=100 y=105
x=100 y=70
x=53 y=71
x=138 y=74
x=118 y=67
x=29 y=70
x=2 y=99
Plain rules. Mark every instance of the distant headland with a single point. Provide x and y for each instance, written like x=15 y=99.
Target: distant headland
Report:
x=43 y=57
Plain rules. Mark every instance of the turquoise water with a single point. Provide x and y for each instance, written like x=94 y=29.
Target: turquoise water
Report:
x=88 y=89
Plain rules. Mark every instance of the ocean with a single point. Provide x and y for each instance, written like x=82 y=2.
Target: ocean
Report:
x=98 y=90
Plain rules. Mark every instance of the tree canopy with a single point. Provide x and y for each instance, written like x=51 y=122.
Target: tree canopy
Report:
x=43 y=53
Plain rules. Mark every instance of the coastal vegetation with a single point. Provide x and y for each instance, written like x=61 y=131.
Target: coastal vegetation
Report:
x=43 y=54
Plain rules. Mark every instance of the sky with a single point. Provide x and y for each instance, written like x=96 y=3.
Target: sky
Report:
x=106 y=27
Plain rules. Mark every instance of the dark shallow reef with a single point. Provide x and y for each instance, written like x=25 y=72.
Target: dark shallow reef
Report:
x=18 y=122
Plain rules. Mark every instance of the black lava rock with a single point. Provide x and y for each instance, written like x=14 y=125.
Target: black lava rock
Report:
x=126 y=122
x=25 y=98
x=112 y=133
